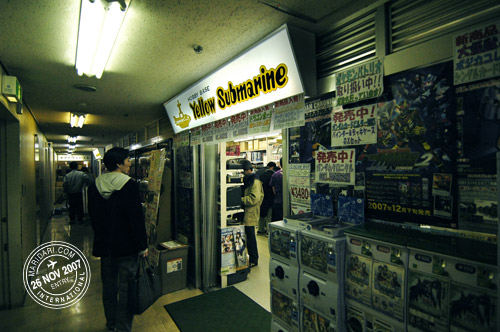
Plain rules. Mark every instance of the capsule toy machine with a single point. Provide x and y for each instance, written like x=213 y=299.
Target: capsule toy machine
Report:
x=452 y=285
x=283 y=263
x=285 y=311
x=277 y=327
x=376 y=277
x=321 y=261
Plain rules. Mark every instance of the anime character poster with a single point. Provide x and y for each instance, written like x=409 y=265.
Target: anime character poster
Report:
x=240 y=246
x=416 y=138
x=228 y=261
x=358 y=278
x=388 y=289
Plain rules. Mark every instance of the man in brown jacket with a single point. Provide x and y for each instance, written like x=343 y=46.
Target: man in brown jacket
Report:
x=252 y=199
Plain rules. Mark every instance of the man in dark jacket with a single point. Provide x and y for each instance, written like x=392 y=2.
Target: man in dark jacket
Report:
x=119 y=235
x=265 y=174
x=73 y=186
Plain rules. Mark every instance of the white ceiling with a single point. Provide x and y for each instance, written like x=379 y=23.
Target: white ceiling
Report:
x=152 y=60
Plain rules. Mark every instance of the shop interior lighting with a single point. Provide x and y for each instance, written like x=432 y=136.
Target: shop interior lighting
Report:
x=72 y=139
x=77 y=120
x=100 y=22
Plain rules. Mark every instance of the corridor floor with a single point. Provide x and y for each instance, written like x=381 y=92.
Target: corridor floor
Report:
x=88 y=315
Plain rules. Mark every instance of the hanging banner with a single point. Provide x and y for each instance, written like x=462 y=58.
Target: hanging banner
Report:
x=260 y=119
x=476 y=54
x=196 y=136
x=221 y=130
x=207 y=133
x=299 y=183
x=289 y=112
x=361 y=82
x=181 y=139
x=263 y=74
x=239 y=125
x=335 y=167
x=357 y=126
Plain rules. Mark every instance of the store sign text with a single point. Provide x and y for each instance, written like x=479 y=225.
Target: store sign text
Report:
x=268 y=80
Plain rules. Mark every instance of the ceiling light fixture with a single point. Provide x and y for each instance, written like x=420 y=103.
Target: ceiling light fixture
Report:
x=100 y=22
x=72 y=139
x=77 y=120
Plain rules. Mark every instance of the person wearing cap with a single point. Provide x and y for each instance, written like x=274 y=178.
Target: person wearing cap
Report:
x=253 y=194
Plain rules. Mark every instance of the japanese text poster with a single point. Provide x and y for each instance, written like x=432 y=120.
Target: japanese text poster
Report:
x=299 y=183
x=239 y=124
x=361 y=82
x=260 y=119
x=354 y=126
x=476 y=54
x=221 y=130
x=207 y=133
x=289 y=112
x=335 y=167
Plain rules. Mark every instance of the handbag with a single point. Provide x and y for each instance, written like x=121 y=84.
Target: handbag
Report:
x=145 y=288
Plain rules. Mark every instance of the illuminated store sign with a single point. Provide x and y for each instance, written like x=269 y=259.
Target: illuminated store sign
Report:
x=265 y=73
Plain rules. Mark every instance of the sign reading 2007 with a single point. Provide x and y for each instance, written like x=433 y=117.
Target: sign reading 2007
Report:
x=56 y=275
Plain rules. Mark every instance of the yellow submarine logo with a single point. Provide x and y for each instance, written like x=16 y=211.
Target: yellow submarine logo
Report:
x=183 y=119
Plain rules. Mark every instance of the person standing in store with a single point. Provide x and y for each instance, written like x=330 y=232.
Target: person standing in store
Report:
x=119 y=235
x=277 y=184
x=253 y=194
x=73 y=185
x=264 y=174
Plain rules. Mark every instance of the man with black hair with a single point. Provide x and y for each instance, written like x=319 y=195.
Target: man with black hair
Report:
x=119 y=235
x=73 y=186
x=264 y=174
x=252 y=199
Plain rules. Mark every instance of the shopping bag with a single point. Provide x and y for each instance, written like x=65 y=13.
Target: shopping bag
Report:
x=145 y=288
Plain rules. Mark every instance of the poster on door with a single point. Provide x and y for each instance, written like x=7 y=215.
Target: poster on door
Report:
x=335 y=166
x=476 y=54
x=354 y=126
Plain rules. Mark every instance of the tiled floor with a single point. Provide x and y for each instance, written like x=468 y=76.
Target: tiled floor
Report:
x=88 y=315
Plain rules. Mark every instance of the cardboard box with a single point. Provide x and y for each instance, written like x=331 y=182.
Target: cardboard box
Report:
x=243 y=146
x=250 y=145
x=262 y=145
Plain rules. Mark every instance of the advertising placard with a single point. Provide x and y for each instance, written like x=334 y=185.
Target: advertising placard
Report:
x=335 y=166
x=361 y=82
x=207 y=133
x=355 y=126
x=476 y=54
x=299 y=183
x=221 y=130
x=196 y=136
x=181 y=139
x=260 y=119
x=289 y=112
x=239 y=125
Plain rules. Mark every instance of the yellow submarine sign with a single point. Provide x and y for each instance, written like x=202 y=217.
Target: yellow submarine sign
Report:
x=263 y=74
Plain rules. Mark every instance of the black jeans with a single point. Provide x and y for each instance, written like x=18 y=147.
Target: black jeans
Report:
x=75 y=201
x=115 y=274
x=253 y=251
x=277 y=212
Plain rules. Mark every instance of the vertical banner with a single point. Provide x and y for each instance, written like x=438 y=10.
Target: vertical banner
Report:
x=239 y=125
x=299 y=184
x=221 y=130
x=361 y=82
x=476 y=54
x=207 y=133
x=196 y=136
x=354 y=126
x=335 y=167
x=289 y=112
x=260 y=119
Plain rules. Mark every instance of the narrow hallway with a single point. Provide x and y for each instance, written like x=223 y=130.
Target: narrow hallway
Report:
x=88 y=314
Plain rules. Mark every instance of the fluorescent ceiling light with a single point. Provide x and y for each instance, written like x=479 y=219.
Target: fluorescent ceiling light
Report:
x=77 y=120
x=100 y=22
x=72 y=139
x=71 y=147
